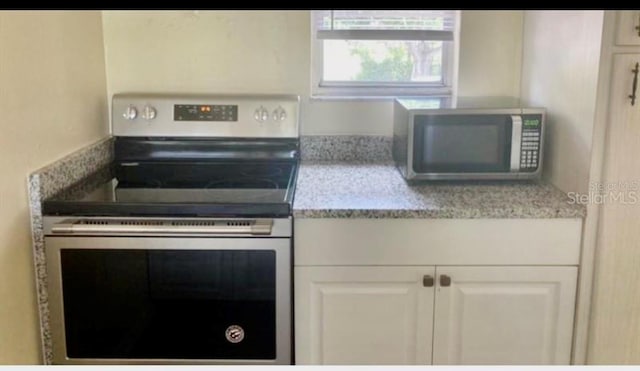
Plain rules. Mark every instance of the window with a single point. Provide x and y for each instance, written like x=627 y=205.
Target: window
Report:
x=383 y=52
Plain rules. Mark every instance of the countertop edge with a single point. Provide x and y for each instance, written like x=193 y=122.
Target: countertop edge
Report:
x=428 y=214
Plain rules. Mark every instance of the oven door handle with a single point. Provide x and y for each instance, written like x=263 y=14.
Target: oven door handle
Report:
x=113 y=227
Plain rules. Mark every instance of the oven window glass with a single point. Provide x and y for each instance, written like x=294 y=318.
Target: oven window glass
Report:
x=462 y=143
x=176 y=304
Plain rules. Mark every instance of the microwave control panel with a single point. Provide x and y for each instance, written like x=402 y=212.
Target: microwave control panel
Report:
x=530 y=144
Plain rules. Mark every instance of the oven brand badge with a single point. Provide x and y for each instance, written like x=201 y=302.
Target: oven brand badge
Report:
x=234 y=334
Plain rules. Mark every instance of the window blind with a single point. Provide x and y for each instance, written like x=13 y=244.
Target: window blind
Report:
x=436 y=25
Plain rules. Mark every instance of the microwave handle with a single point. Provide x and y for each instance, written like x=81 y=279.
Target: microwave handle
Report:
x=516 y=142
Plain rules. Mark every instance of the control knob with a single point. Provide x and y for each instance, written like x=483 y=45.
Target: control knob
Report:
x=279 y=114
x=261 y=114
x=148 y=113
x=130 y=113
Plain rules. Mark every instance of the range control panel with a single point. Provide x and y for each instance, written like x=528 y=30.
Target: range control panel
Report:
x=205 y=115
x=530 y=143
x=205 y=112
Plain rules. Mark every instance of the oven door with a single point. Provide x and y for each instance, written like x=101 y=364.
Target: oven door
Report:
x=170 y=300
x=465 y=146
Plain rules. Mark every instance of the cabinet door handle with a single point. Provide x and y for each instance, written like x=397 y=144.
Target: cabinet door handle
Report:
x=634 y=86
x=638 y=26
x=445 y=281
x=427 y=281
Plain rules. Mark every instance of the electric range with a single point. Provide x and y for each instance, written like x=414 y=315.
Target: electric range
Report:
x=181 y=252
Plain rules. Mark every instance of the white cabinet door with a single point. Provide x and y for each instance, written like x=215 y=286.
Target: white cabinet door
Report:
x=628 y=27
x=363 y=315
x=504 y=315
x=615 y=324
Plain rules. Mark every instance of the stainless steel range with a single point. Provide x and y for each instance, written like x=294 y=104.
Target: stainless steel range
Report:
x=181 y=252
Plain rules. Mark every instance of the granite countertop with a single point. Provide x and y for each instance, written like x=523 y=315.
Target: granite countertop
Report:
x=332 y=189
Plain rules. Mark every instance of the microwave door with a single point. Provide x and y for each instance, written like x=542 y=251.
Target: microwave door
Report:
x=463 y=144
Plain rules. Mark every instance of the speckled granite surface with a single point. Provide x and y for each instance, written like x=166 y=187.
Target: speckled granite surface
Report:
x=369 y=148
x=69 y=172
x=362 y=184
x=377 y=190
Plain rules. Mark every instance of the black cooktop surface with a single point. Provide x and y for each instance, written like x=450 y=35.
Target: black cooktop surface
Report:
x=211 y=189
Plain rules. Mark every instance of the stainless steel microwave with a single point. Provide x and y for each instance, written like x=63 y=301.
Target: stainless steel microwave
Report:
x=467 y=138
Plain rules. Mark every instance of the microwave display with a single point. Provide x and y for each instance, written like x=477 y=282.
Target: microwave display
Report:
x=462 y=143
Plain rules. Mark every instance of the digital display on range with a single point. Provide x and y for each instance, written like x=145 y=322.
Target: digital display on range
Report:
x=205 y=112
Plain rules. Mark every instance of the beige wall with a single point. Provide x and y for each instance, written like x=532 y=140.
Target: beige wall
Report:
x=52 y=101
x=490 y=53
x=269 y=52
x=560 y=72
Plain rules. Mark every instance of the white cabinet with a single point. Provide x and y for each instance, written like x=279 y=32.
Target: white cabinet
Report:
x=504 y=315
x=628 y=30
x=615 y=328
x=385 y=315
x=363 y=315
x=365 y=292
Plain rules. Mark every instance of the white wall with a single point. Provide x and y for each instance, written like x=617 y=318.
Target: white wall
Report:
x=490 y=53
x=560 y=72
x=52 y=101
x=269 y=52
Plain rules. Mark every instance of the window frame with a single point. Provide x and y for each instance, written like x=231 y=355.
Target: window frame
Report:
x=361 y=89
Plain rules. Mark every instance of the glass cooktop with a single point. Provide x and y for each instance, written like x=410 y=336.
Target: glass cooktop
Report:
x=184 y=189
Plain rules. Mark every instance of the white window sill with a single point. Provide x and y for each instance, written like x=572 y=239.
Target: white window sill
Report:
x=351 y=98
x=381 y=98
